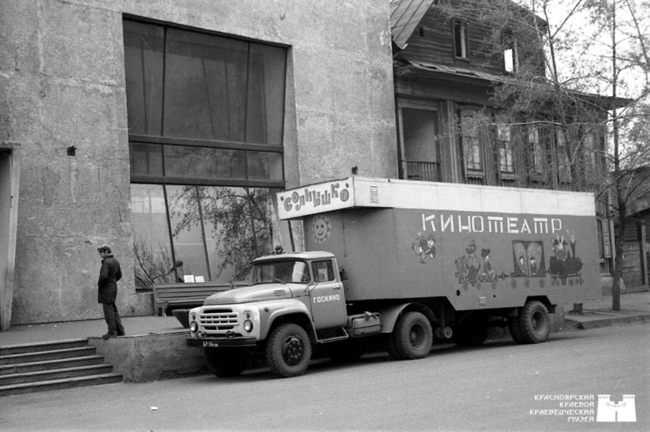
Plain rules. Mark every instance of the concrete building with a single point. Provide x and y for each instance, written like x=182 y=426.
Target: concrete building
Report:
x=155 y=125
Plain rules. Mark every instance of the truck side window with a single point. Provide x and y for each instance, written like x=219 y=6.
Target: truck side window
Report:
x=323 y=271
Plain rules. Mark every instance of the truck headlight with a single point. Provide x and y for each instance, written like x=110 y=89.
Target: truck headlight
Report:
x=248 y=326
x=194 y=326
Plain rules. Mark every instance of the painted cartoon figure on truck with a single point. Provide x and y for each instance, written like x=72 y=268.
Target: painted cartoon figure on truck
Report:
x=424 y=247
x=565 y=265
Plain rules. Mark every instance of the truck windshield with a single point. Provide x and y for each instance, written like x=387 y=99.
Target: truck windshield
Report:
x=281 y=271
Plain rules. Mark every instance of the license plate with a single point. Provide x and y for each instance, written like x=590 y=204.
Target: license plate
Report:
x=210 y=344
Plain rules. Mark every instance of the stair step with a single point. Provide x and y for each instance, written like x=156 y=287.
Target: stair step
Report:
x=57 y=384
x=45 y=375
x=42 y=346
x=46 y=355
x=51 y=364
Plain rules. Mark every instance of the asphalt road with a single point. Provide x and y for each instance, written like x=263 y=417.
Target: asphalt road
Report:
x=498 y=387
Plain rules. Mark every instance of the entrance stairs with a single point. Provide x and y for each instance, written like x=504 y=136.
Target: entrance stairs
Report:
x=44 y=366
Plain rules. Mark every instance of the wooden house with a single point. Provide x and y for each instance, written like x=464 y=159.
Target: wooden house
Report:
x=448 y=60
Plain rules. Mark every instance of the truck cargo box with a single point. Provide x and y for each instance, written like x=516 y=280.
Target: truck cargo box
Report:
x=478 y=246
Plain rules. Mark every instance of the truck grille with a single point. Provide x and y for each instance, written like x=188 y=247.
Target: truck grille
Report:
x=218 y=319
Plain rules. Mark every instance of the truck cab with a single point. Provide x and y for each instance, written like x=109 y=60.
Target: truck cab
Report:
x=301 y=288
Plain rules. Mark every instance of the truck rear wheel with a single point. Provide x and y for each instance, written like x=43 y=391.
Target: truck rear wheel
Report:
x=534 y=322
x=413 y=336
x=288 y=350
x=226 y=363
x=515 y=330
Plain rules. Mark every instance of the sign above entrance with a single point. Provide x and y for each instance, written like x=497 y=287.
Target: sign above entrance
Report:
x=318 y=198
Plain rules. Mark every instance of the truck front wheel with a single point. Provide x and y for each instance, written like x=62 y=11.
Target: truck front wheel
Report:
x=288 y=350
x=534 y=322
x=413 y=336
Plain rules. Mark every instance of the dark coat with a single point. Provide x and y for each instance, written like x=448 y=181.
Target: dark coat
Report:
x=109 y=274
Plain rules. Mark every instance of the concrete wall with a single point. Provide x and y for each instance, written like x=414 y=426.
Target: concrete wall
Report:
x=62 y=84
x=152 y=357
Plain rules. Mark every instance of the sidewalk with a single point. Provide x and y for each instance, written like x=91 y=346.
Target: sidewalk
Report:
x=134 y=326
x=635 y=307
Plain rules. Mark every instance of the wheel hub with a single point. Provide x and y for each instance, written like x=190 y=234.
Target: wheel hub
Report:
x=293 y=350
x=416 y=336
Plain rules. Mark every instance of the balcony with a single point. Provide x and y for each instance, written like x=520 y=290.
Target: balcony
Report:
x=417 y=170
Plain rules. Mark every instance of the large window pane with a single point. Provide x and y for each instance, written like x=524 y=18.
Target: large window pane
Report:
x=204 y=162
x=264 y=166
x=237 y=229
x=146 y=159
x=153 y=253
x=187 y=231
x=205 y=86
x=143 y=56
x=265 y=94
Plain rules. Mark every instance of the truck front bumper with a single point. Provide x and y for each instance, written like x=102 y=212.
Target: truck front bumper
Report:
x=221 y=342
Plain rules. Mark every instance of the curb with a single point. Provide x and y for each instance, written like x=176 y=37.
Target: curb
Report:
x=605 y=322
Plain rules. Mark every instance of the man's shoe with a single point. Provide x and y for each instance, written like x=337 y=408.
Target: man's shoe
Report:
x=109 y=335
x=121 y=334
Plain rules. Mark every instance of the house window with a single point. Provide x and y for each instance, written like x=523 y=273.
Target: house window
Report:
x=205 y=118
x=536 y=150
x=589 y=153
x=461 y=50
x=564 y=163
x=506 y=152
x=470 y=126
x=510 y=54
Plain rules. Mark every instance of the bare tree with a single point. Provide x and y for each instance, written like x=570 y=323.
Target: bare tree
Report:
x=582 y=76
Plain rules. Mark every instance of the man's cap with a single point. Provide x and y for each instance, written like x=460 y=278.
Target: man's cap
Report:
x=104 y=247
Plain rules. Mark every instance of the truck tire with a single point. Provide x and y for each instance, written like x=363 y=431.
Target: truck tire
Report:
x=226 y=363
x=391 y=348
x=413 y=336
x=515 y=330
x=471 y=333
x=534 y=322
x=288 y=350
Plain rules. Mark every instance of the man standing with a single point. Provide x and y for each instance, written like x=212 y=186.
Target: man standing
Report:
x=109 y=274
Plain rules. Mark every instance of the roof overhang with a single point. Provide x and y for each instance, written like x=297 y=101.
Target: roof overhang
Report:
x=405 y=15
x=460 y=75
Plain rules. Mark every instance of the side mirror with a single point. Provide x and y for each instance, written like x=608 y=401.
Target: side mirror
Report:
x=343 y=274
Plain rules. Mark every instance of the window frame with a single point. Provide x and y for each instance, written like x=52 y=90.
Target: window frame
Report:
x=463 y=43
x=247 y=147
x=478 y=148
x=563 y=159
x=536 y=154
x=265 y=170
x=509 y=43
x=505 y=147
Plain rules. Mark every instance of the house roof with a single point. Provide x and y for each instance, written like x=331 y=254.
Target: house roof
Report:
x=405 y=15
x=444 y=71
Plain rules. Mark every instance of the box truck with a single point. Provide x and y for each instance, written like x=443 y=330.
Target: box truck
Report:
x=406 y=262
